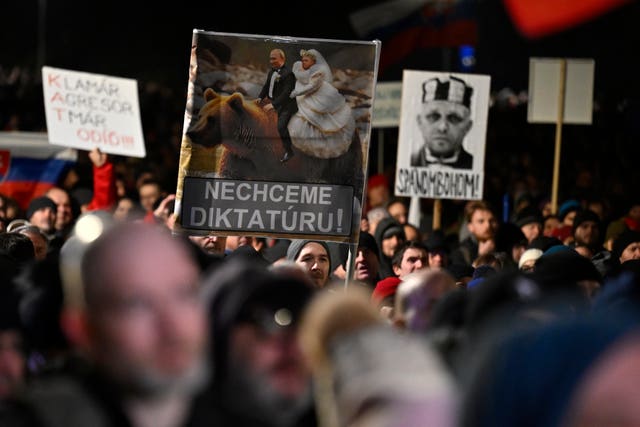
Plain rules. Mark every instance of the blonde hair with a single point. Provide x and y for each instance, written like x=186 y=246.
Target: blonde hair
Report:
x=308 y=53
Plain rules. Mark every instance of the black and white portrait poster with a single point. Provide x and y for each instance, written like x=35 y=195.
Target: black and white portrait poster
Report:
x=443 y=126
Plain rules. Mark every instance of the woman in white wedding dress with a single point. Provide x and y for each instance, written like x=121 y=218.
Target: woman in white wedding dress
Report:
x=324 y=124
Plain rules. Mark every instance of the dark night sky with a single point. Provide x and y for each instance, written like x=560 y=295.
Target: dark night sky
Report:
x=130 y=39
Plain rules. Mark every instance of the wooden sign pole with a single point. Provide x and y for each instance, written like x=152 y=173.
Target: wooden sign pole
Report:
x=556 y=159
x=437 y=214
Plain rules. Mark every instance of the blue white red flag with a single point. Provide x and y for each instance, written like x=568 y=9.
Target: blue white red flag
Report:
x=29 y=165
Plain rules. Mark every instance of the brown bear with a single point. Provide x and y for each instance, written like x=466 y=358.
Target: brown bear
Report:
x=252 y=146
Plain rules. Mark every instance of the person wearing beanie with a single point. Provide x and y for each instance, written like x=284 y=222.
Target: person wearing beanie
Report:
x=544 y=242
x=41 y=212
x=259 y=377
x=315 y=256
x=366 y=269
x=629 y=221
x=438 y=250
x=385 y=291
x=528 y=259
x=389 y=235
x=529 y=219
x=567 y=212
x=562 y=270
x=627 y=246
x=378 y=192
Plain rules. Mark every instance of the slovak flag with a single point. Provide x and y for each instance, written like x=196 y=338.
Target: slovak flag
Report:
x=29 y=165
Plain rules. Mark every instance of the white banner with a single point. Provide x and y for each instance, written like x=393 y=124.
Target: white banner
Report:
x=442 y=136
x=85 y=110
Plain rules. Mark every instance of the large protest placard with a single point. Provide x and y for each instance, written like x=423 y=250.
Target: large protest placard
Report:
x=276 y=136
x=441 y=141
x=86 y=110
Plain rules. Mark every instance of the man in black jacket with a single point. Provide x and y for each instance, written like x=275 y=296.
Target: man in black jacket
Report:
x=277 y=88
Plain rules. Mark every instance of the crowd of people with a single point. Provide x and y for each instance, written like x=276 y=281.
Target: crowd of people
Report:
x=524 y=316
x=111 y=317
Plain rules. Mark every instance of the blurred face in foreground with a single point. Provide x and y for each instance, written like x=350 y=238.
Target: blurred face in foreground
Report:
x=607 y=395
x=270 y=359
x=147 y=323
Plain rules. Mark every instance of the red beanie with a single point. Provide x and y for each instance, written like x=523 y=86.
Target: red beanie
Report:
x=384 y=288
x=377 y=181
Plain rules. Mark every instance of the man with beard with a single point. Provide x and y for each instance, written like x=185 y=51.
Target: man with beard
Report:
x=482 y=226
x=139 y=326
x=260 y=378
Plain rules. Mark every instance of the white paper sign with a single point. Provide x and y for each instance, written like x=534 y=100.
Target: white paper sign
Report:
x=442 y=136
x=544 y=90
x=85 y=110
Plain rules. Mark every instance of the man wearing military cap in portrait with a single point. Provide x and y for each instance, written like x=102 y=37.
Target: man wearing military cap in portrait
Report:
x=444 y=121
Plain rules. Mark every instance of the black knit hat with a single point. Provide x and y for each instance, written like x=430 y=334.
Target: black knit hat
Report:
x=40 y=203
x=528 y=215
x=437 y=242
x=239 y=291
x=544 y=242
x=296 y=246
x=623 y=240
x=584 y=216
x=366 y=240
x=562 y=269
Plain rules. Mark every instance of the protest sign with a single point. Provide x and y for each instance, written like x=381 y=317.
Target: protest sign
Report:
x=276 y=136
x=441 y=142
x=85 y=111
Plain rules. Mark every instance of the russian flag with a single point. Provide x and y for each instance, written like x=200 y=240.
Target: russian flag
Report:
x=29 y=165
x=405 y=26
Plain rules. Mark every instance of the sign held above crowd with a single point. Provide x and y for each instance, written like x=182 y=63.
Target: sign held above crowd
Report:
x=280 y=148
x=87 y=111
x=441 y=142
